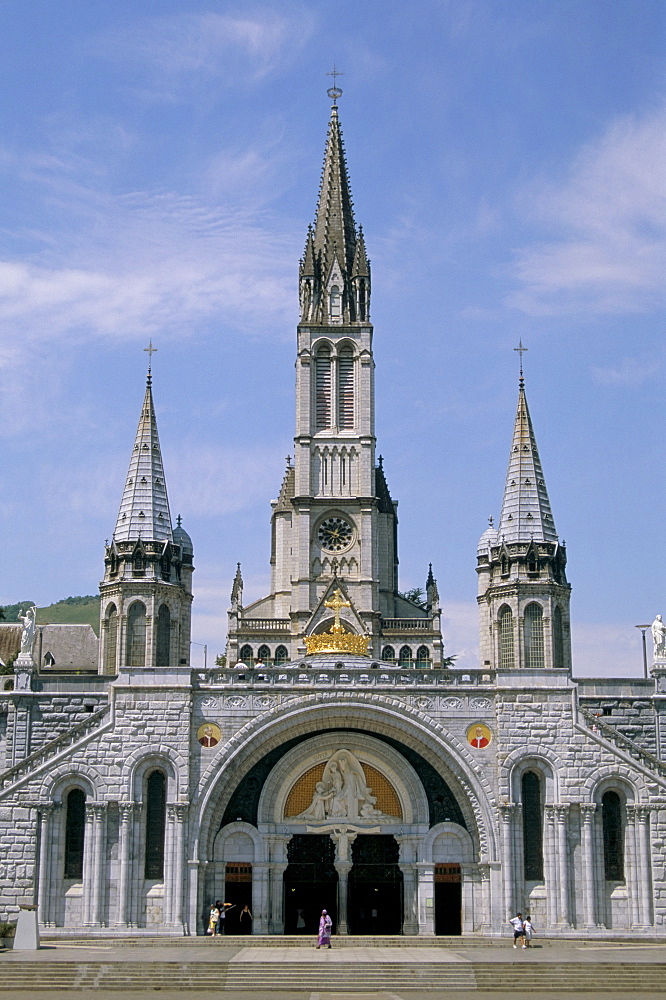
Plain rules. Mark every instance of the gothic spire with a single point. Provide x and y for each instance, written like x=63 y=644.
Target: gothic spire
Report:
x=144 y=508
x=334 y=229
x=526 y=512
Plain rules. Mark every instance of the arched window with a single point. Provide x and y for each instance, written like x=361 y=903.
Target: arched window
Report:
x=281 y=655
x=405 y=657
x=323 y=387
x=611 y=817
x=558 y=638
x=75 y=832
x=532 y=827
x=346 y=388
x=534 y=635
x=264 y=655
x=139 y=563
x=506 y=637
x=388 y=654
x=245 y=656
x=504 y=566
x=155 y=825
x=111 y=639
x=136 y=635
x=422 y=656
x=163 y=637
x=336 y=304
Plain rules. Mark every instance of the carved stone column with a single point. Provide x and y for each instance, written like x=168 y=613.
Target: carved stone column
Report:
x=632 y=875
x=93 y=863
x=550 y=865
x=507 y=811
x=426 y=897
x=44 y=886
x=126 y=810
x=587 y=811
x=410 y=920
x=641 y=818
x=176 y=814
x=276 y=897
x=260 y=897
x=343 y=869
x=562 y=816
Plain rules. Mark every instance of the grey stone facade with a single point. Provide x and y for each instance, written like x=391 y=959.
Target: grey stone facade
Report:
x=132 y=797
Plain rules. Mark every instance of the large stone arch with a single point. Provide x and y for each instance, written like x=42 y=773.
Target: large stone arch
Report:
x=383 y=717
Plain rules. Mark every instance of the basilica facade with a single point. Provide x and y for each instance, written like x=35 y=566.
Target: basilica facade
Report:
x=339 y=759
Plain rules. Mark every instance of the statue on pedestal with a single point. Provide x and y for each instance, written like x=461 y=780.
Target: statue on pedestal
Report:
x=29 y=620
x=659 y=638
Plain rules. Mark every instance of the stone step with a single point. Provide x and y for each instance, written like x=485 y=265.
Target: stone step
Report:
x=359 y=977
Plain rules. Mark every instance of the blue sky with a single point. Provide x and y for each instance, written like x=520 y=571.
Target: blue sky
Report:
x=159 y=165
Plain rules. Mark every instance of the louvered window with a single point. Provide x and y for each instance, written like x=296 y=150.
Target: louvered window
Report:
x=506 y=638
x=323 y=388
x=534 y=636
x=346 y=388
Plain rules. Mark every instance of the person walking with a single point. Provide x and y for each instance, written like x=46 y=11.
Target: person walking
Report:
x=222 y=907
x=325 y=925
x=213 y=920
x=245 y=920
x=518 y=928
x=529 y=931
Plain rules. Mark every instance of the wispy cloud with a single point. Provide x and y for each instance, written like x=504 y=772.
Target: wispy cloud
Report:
x=630 y=371
x=605 y=248
x=199 y=46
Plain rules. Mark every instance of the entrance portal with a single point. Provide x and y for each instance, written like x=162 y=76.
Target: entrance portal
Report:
x=238 y=891
x=310 y=883
x=375 y=886
x=448 y=899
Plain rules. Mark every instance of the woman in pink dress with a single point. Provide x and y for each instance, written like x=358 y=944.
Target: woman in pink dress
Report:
x=325 y=925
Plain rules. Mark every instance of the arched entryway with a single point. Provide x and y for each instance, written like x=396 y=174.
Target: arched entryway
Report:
x=310 y=883
x=375 y=902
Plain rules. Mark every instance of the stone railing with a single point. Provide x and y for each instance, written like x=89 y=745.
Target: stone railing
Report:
x=406 y=625
x=309 y=675
x=52 y=748
x=264 y=625
x=613 y=735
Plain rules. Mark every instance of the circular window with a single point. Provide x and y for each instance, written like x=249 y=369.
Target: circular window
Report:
x=334 y=534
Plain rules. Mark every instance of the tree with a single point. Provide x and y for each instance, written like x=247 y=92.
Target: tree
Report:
x=415 y=596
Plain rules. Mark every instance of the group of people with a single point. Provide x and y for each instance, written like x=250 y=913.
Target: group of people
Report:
x=522 y=930
x=218 y=914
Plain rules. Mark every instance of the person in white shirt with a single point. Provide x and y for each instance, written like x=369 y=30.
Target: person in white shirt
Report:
x=518 y=929
x=529 y=931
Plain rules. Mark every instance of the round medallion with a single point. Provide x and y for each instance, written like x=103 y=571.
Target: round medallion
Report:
x=334 y=534
x=209 y=734
x=479 y=736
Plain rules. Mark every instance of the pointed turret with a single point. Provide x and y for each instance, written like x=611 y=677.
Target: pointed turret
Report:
x=146 y=593
x=523 y=592
x=144 y=508
x=526 y=512
x=334 y=272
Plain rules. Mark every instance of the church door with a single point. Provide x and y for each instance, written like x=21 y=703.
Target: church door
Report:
x=238 y=891
x=310 y=883
x=375 y=886
x=448 y=899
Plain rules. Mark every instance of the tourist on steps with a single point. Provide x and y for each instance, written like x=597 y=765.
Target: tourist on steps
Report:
x=325 y=925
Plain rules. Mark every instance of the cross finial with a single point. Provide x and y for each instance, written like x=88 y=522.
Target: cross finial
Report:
x=335 y=604
x=150 y=350
x=521 y=350
x=334 y=92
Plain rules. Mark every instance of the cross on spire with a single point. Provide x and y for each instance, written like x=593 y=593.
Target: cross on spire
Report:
x=334 y=92
x=150 y=350
x=521 y=350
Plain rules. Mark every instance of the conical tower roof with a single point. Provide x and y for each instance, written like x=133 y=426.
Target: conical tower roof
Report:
x=334 y=229
x=144 y=508
x=526 y=512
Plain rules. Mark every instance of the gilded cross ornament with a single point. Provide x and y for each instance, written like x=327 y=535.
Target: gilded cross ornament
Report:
x=335 y=604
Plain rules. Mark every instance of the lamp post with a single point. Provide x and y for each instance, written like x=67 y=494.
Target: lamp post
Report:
x=205 y=649
x=644 y=629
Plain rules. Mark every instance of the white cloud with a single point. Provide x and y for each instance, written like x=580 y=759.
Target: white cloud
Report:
x=606 y=650
x=630 y=371
x=213 y=481
x=606 y=246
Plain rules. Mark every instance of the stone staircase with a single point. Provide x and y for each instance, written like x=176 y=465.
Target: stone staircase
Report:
x=335 y=977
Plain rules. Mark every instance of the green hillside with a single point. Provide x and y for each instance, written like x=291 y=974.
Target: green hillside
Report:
x=70 y=611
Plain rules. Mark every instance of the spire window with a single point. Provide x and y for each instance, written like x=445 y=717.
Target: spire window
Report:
x=136 y=635
x=335 y=302
x=110 y=652
x=75 y=832
x=163 y=637
x=558 y=638
x=532 y=827
x=346 y=388
x=611 y=818
x=506 y=638
x=534 y=636
x=155 y=825
x=323 y=388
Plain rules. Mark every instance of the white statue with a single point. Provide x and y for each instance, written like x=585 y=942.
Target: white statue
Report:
x=343 y=794
x=29 y=620
x=659 y=638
